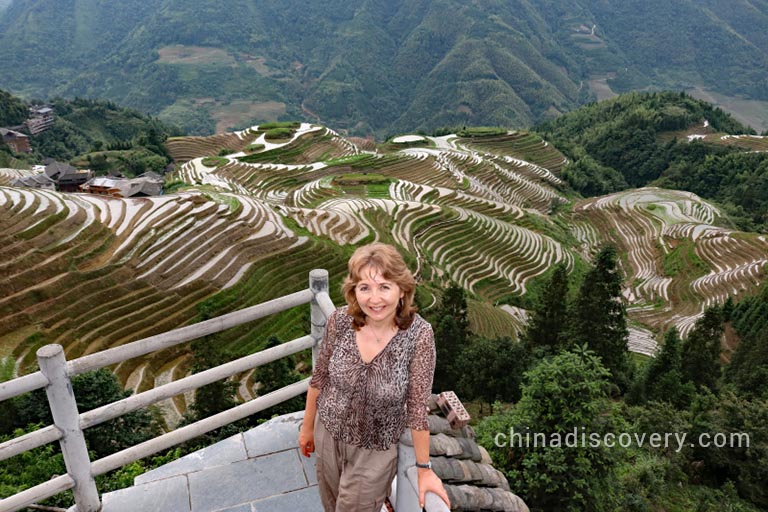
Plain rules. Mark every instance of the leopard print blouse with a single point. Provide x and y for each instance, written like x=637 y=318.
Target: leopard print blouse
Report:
x=369 y=405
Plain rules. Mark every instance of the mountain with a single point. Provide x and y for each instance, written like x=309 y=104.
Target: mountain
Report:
x=367 y=67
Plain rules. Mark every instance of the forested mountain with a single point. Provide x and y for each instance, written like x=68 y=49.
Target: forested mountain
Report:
x=377 y=68
x=669 y=140
x=95 y=134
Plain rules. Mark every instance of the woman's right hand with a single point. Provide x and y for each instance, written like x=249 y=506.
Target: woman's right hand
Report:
x=306 y=440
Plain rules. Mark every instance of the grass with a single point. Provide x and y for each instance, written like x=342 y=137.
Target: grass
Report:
x=279 y=133
x=361 y=179
x=347 y=160
x=682 y=259
x=482 y=131
x=214 y=161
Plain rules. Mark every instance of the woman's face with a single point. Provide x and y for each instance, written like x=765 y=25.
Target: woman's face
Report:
x=378 y=297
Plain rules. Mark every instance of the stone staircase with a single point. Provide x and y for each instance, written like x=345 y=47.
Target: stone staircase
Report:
x=256 y=471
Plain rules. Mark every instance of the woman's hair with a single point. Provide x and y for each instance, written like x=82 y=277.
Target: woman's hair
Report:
x=389 y=263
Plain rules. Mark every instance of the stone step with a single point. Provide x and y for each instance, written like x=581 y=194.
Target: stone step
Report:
x=259 y=470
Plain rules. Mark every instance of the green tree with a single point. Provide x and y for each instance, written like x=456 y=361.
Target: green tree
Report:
x=31 y=468
x=701 y=350
x=563 y=394
x=548 y=325
x=663 y=378
x=217 y=396
x=91 y=390
x=726 y=420
x=493 y=370
x=748 y=370
x=451 y=326
x=275 y=375
x=600 y=316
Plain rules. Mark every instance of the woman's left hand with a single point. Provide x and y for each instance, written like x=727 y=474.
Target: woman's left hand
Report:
x=430 y=482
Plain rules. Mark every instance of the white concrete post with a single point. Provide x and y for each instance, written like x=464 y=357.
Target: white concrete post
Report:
x=66 y=418
x=407 y=499
x=318 y=282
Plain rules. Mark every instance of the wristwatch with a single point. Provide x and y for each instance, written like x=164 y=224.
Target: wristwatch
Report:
x=426 y=465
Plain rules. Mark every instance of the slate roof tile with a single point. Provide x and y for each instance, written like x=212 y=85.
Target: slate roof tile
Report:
x=466 y=468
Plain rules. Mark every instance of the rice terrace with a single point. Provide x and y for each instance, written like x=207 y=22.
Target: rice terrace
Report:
x=248 y=214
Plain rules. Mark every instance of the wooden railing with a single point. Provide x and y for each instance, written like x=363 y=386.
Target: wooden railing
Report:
x=68 y=424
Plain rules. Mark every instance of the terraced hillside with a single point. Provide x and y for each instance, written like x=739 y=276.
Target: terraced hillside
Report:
x=258 y=209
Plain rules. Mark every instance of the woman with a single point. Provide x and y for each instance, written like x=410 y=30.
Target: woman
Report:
x=372 y=380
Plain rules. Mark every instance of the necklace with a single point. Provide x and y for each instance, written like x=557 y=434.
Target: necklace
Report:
x=378 y=339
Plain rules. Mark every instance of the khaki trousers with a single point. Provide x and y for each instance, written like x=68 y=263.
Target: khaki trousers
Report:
x=352 y=479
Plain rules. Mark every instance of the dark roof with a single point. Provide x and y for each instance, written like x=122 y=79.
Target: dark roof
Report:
x=35 y=181
x=55 y=169
x=466 y=468
x=9 y=134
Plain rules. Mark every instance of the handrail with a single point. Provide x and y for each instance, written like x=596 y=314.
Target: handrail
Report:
x=56 y=381
x=157 y=342
x=113 y=410
x=81 y=470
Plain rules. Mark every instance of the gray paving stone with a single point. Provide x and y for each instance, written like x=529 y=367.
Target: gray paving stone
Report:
x=310 y=467
x=167 y=495
x=245 y=507
x=224 y=452
x=277 y=434
x=305 y=500
x=249 y=480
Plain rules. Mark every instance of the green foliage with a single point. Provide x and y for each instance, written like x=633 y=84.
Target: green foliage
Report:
x=93 y=389
x=563 y=394
x=748 y=370
x=701 y=350
x=13 y=111
x=481 y=131
x=662 y=380
x=347 y=160
x=174 y=186
x=31 y=468
x=599 y=315
x=492 y=369
x=624 y=142
x=214 y=161
x=273 y=376
x=736 y=431
x=207 y=352
x=451 y=327
x=589 y=177
x=281 y=124
x=279 y=133
x=83 y=125
x=548 y=324
x=683 y=259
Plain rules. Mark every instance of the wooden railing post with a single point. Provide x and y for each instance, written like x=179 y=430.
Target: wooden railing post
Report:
x=66 y=418
x=318 y=282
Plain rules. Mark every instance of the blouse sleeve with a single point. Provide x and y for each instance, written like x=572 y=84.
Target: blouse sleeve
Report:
x=320 y=372
x=421 y=372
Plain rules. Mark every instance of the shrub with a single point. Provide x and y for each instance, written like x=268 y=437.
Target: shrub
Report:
x=278 y=133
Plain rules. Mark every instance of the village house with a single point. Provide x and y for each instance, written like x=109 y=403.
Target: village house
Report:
x=148 y=184
x=67 y=178
x=40 y=119
x=40 y=181
x=17 y=141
